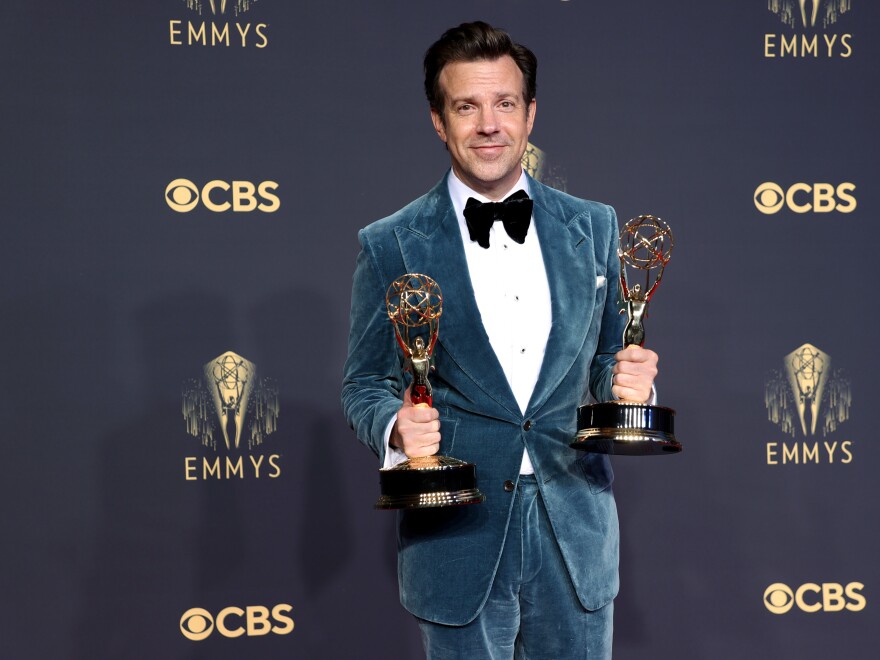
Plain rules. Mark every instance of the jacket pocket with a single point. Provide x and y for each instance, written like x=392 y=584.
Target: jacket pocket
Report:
x=447 y=432
x=597 y=471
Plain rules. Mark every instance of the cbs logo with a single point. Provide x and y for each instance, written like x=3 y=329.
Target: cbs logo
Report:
x=803 y=198
x=810 y=597
x=183 y=195
x=255 y=620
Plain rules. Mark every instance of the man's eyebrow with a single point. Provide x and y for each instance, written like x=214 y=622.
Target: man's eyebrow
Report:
x=498 y=95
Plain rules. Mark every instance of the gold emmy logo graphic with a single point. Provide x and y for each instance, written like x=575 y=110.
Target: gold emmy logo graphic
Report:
x=805 y=18
x=197 y=623
x=229 y=406
x=219 y=6
x=226 y=395
x=807 y=13
x=779 y=598
x=534 y=162
x=807 y=394
x=221 y=27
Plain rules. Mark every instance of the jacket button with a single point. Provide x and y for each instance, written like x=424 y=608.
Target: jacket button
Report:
x=527 y=425
x=509 y=486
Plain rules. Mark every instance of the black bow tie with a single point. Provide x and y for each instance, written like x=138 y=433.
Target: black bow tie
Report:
x=515 y=212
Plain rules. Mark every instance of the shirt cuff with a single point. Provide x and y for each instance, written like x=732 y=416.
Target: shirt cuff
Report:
x=393 y=455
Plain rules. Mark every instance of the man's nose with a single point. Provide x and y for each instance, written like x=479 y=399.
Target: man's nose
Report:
x=488 y=120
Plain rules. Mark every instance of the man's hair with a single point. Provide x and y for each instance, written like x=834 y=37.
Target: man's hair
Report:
x=470 y=42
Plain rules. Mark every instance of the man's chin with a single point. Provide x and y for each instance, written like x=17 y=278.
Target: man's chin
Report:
x=489 y=181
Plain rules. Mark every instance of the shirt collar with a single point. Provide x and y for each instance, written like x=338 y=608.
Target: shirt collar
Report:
x=459 y=192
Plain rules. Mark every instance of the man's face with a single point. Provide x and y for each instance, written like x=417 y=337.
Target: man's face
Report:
x=485 y=123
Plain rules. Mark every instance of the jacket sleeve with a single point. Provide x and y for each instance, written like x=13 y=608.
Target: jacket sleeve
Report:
x=372 y=382
x=613 y=322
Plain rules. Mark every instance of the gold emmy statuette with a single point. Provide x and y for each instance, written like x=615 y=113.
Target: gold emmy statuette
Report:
x=415 y=303
x=629 y=427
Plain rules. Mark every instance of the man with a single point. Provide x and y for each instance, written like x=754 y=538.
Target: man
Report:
x=530 y=329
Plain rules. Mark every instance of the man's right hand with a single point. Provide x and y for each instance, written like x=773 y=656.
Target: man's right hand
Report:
x=417 y=429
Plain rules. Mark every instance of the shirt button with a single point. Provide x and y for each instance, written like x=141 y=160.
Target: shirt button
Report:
x=527 y=425
x=522 y=350
x=509 y=486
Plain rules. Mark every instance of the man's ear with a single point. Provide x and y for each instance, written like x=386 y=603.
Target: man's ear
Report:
x=530 y=115
x=439 y=126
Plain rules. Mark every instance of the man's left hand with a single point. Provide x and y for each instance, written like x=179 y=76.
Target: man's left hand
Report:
x=633 y=375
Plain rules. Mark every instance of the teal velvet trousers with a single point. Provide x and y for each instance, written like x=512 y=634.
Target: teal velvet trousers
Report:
x=532 y=612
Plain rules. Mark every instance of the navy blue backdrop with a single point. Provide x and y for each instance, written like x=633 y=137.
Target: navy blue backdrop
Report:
x=182 y=184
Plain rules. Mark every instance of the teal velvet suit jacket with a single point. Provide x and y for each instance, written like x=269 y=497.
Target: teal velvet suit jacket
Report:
x=447 y=557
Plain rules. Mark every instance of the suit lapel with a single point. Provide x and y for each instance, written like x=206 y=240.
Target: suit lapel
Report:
x=571 y=273
x=431 y=244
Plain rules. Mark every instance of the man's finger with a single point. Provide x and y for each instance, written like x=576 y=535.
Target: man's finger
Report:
x=635 y=354
x=427 y=450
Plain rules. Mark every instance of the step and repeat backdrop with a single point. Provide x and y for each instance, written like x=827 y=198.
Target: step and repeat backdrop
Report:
x=181 y=189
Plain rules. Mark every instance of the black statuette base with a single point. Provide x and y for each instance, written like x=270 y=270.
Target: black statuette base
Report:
x=428 y=482
x=629 y=429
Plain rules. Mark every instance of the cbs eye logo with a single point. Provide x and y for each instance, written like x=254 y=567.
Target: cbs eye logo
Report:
x=803 y=197
x=183 y=196
x=827 y=597
x=254 y=621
